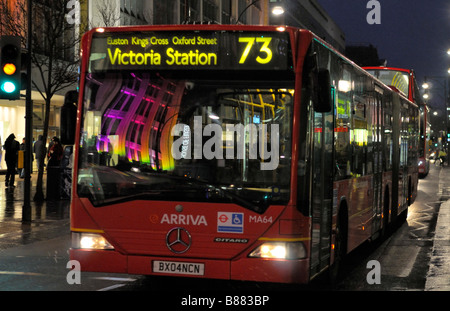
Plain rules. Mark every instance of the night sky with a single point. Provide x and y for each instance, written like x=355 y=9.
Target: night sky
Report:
x=412 y=34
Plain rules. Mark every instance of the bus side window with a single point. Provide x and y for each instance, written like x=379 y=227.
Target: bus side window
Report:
x=342 y=131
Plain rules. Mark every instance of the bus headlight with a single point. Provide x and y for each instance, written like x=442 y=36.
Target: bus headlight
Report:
x=280 y=250
x=90 y=241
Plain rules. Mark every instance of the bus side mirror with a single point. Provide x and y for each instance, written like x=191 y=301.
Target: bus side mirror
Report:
x=68 y=122
x=324 y=100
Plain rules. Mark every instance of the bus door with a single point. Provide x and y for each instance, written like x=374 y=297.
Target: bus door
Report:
x=399 y=152
x=322 y=189
x=403 y=170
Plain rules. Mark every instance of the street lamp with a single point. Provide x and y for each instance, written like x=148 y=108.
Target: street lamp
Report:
x=448 y=70
x=277 y=10
x=426 y=86
x=438 y=82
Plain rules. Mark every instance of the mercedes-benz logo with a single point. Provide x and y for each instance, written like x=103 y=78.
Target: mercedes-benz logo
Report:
x=178 y=240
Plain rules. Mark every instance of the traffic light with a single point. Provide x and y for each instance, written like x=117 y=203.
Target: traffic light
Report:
x=10 y=67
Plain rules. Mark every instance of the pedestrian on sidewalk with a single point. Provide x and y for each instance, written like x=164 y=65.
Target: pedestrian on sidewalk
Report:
x=40 y=151
x=12 y=148
x=22 y=169
x=55 y=154
x=442 y=156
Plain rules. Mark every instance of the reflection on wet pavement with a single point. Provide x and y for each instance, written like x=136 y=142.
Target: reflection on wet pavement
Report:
x=49 y=218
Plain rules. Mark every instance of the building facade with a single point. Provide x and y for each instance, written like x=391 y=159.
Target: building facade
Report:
x=298 y=13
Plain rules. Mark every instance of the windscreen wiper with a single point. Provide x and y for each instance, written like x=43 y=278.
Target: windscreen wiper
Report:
x=223 y=192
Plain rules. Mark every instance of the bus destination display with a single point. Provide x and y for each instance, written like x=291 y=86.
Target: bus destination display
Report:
x=190 y=50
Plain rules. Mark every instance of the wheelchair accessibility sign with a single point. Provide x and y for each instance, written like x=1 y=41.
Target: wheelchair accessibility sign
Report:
x=230 y=222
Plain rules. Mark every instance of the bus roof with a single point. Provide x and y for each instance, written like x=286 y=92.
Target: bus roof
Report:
x=386 y=68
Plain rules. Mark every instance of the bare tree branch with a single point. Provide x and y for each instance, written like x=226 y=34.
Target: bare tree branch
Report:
x=108 y=12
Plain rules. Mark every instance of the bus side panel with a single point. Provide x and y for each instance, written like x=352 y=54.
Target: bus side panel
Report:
x=387 y=187
x=342 y=193
x=355 y=195
x=362 y=208
x=414 y=175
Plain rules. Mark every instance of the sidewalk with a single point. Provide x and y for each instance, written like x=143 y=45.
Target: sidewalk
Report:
x=438 y=277
x=49 y=219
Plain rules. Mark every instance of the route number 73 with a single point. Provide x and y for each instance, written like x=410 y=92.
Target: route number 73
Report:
x=265 y=52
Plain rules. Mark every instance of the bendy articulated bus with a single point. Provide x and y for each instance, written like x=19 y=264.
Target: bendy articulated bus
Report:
x=233 y=152
x=405 y=81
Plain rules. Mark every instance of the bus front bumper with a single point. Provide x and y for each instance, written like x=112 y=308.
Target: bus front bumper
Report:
x=243 y=268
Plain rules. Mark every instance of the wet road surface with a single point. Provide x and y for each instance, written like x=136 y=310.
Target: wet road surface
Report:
x=34 y=257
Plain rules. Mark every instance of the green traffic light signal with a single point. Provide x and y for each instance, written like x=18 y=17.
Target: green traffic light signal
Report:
x=8 y=87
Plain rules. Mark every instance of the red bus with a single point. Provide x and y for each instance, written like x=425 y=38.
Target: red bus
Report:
x=233 y=152
x=405 y=81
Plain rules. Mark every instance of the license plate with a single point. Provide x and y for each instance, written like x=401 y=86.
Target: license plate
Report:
x=177 y=267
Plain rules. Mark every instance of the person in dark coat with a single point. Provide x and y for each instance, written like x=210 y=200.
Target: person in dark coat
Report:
x=11 y=147
x=55 y=154
x=40 y=150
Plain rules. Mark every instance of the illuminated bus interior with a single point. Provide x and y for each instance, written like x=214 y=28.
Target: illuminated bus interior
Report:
x=398 y=79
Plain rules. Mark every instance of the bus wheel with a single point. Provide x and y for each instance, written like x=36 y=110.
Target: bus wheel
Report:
x=340 y=248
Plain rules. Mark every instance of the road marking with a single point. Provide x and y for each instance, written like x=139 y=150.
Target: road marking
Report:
x=114 y=279
x=22 y=273
x=110 y=287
